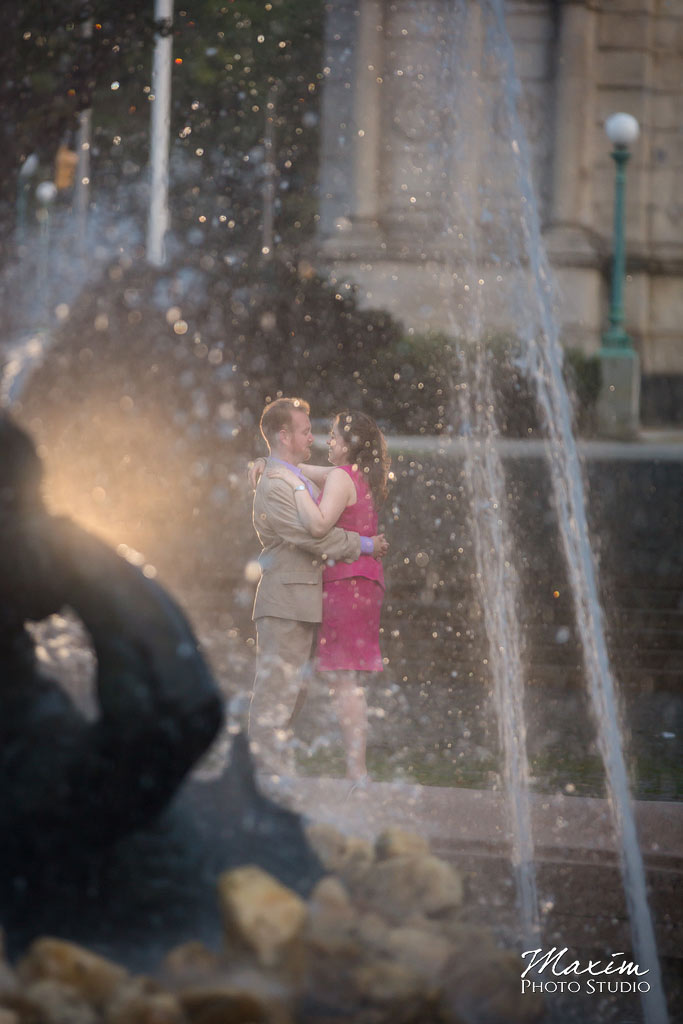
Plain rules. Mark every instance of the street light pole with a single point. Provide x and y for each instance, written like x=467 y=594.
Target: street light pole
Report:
x=82 y=189
x=157 y=224
x=269 y=171
x=619 y=402
x=46 y=193
x=615 y=336
x=26 y=172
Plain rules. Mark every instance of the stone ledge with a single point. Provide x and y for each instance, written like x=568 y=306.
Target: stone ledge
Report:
x=476 y=818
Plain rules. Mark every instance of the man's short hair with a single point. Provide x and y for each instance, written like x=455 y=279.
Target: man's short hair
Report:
x=278 y=415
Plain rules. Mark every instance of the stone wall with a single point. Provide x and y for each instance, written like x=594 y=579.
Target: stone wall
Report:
x=389 y=134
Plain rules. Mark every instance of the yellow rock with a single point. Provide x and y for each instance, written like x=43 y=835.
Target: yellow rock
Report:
x=331 y=894
x=372 y=931
x=420 y=949
x=465 y=937
x=426 y=954
x=55 y=1002
x=260 y=912
x=402 y=886
x=331 y=925
x=191 y=961
x=140 y=1001
x=247 y=997
x=8 y=980
x=385 y=982
x=397 y=842
x=93 y=976
x=357 y=859
x=346 y=856
x=485 y=985
x=329 y=844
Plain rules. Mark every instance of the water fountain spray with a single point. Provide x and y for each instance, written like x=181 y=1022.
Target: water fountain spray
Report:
x=543 y=358
x=484 y=475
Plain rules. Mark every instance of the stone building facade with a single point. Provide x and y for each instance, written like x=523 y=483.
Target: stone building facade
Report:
x=577 y=61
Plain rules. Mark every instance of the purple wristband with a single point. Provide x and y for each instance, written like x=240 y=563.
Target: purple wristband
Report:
x=366 y=546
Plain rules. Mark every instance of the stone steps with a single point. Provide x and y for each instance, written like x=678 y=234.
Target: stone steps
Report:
x=644 y=635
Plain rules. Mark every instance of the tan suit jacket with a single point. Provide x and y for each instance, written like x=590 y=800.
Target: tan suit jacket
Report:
x=292 y=561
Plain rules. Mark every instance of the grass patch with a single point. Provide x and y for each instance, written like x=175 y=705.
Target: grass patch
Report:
x=579 y=776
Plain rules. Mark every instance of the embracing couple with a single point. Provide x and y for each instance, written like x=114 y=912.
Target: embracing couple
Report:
x=322 y=584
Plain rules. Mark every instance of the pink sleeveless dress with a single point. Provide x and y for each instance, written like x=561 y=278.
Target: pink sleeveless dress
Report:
x=348 y=638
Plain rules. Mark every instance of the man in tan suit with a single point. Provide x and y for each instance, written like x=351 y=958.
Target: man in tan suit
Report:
x=288 y=604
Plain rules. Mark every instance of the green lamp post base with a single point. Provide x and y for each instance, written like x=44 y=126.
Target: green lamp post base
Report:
x=615 y=339
x=619 y=402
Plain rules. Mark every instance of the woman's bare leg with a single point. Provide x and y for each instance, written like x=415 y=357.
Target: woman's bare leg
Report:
x=352 y=712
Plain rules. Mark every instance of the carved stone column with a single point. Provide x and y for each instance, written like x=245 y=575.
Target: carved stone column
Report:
x=569 y=236
x=413 y=158
x=366 y=121
x=351 y=127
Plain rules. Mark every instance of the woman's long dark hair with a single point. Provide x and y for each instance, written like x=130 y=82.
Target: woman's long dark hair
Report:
x=367 y=450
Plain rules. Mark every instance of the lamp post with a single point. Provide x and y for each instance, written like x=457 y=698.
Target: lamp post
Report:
x=269 y=172
x=46 y=193
x=622 y=130
x=619 y=403
x=26 y=172
x=157 y=223
x=83 y=143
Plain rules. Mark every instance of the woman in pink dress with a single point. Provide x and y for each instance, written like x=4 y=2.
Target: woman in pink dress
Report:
x=353 y=488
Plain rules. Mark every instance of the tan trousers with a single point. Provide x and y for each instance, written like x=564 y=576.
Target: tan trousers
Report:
x=284 y=649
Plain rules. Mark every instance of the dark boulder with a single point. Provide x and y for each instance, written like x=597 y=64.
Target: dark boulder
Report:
x=86 y=850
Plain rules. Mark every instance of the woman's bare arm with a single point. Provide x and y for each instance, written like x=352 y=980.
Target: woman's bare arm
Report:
x=317 y=474
x=319 y=519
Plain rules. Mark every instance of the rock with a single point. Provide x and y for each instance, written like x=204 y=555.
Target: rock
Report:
x=397 y=842
x=426 y=954
x=8 y=979
x=331 y=928
x=381 y=942
x=247 y=997
x=192 y=961
x=328 y=843
x=372 y=932
x=260 y=913
x=465 y=937
x=403 y=885
x=385 y=982
x=331 y=895
x=61 y=773
x=357 y=860
x=140 y=1001
x=484 y=986
x=346 y=856
x=93 y=976
x=55 y=1002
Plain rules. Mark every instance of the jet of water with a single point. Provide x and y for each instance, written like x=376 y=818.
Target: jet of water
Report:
x=484 y=474
x=544 y=361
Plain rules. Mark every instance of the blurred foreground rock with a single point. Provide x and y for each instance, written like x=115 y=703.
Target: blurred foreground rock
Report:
x=90 y=843
x=345 y=954
x=158 y=706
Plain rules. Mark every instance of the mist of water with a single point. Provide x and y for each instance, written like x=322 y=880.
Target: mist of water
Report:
x=484 y=475
x=501 y=276
x=504 y=217
x=499 y=594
